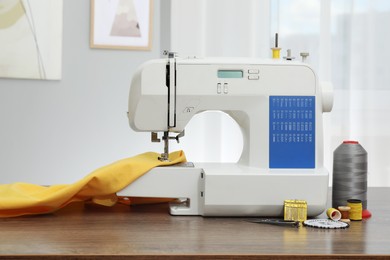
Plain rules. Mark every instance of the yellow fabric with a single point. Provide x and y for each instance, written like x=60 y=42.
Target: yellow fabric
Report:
x=100 y=186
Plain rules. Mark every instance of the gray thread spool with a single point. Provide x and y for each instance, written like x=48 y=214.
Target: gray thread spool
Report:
x=349 y=174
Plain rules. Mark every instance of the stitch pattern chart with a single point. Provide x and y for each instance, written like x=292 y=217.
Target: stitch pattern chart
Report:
x=292 y=131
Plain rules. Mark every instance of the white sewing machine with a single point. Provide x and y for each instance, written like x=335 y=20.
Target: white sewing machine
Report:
x=278 y=105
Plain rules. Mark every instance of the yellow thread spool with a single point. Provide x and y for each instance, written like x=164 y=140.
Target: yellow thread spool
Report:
x=356 y=209
x=276 y=53
x=333 y=214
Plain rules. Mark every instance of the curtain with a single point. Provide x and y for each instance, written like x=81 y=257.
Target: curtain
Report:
x=210 y=29
x=361 y=76
x=347 y=41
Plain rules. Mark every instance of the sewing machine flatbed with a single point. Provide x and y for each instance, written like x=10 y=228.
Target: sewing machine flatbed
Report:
x=229 y=189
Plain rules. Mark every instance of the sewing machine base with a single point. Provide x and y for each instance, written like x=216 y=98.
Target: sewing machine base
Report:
x=224 y=189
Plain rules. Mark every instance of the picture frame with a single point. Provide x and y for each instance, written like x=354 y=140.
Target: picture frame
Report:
x=121 y=24
x=31 y=39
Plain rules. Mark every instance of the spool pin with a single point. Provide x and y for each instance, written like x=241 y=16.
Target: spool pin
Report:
x=276 y=49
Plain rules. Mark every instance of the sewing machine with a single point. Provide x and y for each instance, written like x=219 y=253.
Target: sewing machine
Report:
x=278 y=104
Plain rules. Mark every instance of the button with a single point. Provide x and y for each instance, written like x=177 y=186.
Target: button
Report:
x=253 y=71
x=253 y=77
x=219 y=88
x=225 y=88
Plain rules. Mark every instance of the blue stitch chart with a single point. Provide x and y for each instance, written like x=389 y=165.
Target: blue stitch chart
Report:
x=291 y=132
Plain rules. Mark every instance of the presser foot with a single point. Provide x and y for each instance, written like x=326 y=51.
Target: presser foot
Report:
x=163 y=157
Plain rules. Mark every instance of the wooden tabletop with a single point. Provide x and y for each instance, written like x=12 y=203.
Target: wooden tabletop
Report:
x=148 y=231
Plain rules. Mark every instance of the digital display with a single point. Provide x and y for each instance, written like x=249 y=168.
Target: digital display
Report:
x=230 y=74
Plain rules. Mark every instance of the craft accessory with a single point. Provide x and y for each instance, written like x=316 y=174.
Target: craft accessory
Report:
x=295 y=210
x=325 y=223
x=278 y=222
x=344 y=210
x=349 y=174
x=333 y=214
x=355 y=212
x=366 y=213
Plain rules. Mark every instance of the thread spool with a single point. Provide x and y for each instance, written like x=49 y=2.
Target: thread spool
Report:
x=356 y=209
x=276 y=53
x=344 y=210
x=349 y=174
x=333 y=214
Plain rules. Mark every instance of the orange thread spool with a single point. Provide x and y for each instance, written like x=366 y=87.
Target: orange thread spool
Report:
x=344 y=210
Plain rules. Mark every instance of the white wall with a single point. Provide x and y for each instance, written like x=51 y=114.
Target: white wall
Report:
x=58 y=131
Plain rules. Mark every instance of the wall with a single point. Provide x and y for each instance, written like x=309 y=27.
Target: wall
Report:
x=58 y=131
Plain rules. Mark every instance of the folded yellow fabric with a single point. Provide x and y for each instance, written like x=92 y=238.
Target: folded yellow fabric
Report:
x=100 y=186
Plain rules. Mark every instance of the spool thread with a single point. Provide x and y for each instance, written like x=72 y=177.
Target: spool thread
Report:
x=349 y=174
x=276 y=53
x=344 y=210
x=333 y=214
x=356 y=209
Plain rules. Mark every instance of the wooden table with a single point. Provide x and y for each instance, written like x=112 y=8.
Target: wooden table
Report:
x=148 y=231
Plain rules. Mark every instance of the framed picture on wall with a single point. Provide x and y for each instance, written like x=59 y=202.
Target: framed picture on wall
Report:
x=121 y=24
x=29 y=48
